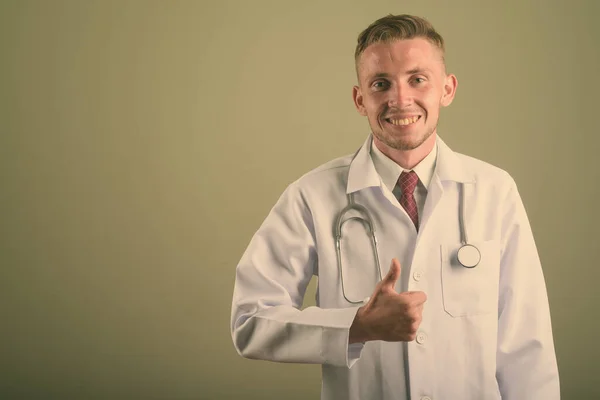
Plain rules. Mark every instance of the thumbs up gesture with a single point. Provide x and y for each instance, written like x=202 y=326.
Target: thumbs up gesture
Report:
x=388 y=315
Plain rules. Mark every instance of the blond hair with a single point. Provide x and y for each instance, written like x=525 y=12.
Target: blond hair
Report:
x=397 y=27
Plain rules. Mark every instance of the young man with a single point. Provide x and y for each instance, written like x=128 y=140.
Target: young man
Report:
x=461 y=312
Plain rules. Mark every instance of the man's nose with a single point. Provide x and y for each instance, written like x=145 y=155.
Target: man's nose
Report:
x=400 y=97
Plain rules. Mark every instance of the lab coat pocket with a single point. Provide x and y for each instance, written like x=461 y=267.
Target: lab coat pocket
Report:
x=470 y=291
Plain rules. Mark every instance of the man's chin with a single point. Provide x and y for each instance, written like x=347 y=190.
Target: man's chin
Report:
x=402 y=144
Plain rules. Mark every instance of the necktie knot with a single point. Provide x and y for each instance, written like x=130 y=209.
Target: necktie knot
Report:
x=408 y=182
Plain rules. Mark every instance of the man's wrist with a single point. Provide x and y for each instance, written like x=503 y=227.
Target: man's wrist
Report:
x=358 y=333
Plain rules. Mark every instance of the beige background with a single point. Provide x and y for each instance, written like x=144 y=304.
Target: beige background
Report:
x=143 y=142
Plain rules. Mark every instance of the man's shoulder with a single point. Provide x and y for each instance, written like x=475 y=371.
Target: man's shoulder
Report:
x=329 y=170
x=484 y=171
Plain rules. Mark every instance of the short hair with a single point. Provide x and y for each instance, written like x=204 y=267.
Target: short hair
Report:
x=397 y=27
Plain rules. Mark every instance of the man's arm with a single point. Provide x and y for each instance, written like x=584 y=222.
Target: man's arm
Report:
x=526 y=361
x=271 y=279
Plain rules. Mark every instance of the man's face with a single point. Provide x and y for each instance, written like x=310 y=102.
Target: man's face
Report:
x=402 y=86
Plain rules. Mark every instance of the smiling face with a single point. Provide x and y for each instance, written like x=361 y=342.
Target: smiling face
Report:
x=402 y=86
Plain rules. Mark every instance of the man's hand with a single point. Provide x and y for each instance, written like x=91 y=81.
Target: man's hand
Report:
x=388 y=315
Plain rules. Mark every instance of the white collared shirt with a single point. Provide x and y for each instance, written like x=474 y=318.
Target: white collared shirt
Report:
x=389 y=172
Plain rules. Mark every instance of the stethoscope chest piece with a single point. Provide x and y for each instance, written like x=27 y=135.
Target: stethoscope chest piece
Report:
x=468 y=256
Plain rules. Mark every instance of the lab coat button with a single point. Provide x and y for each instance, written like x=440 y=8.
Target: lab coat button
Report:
x=417 y=276
x=421 y=337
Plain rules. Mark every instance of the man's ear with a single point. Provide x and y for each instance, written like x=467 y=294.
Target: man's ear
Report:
x=450 y=85
x=358 y=101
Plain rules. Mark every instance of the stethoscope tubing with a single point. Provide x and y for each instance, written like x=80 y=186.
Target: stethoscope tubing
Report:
x=468 y=255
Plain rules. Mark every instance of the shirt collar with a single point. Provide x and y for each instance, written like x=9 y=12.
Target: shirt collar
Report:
x=389 y=171
x=447 y=167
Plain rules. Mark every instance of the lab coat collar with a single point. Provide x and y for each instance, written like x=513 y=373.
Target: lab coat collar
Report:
x=362 y=173
x=449 y=167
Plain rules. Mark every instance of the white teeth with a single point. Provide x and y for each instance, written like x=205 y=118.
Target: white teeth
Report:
x=405 y=121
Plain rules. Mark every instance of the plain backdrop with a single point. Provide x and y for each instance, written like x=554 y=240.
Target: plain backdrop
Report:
x=142 y=143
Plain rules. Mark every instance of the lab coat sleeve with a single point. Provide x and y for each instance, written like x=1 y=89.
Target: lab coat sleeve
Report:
x=526 y=361
x=271 y=279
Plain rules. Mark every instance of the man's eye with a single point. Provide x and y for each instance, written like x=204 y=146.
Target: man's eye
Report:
x=380 y=85
x=419 y=80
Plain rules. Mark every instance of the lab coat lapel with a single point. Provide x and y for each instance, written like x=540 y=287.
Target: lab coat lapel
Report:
x=362 y=173
x=448 y=168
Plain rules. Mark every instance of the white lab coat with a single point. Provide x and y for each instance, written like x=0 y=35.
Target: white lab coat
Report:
x=486 y=331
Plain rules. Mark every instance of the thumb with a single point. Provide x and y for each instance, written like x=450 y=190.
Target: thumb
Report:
x=393 y=274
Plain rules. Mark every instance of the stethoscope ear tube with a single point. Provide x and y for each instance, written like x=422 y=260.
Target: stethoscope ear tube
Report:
x=368 y=221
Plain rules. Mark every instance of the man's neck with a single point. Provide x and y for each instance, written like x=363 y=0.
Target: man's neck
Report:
x=407 y=159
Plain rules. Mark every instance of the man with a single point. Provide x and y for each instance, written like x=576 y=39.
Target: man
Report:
x=426 y=327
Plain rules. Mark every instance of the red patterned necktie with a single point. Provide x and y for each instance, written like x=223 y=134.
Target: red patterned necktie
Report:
x=408 y=182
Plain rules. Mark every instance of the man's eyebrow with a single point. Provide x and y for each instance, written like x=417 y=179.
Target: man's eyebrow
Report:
x=417 y=70
x=380 y=75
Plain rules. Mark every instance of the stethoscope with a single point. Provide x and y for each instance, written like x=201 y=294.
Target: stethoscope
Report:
x=468 y=255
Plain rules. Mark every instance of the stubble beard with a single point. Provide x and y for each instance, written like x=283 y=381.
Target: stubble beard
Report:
x=401 y=143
